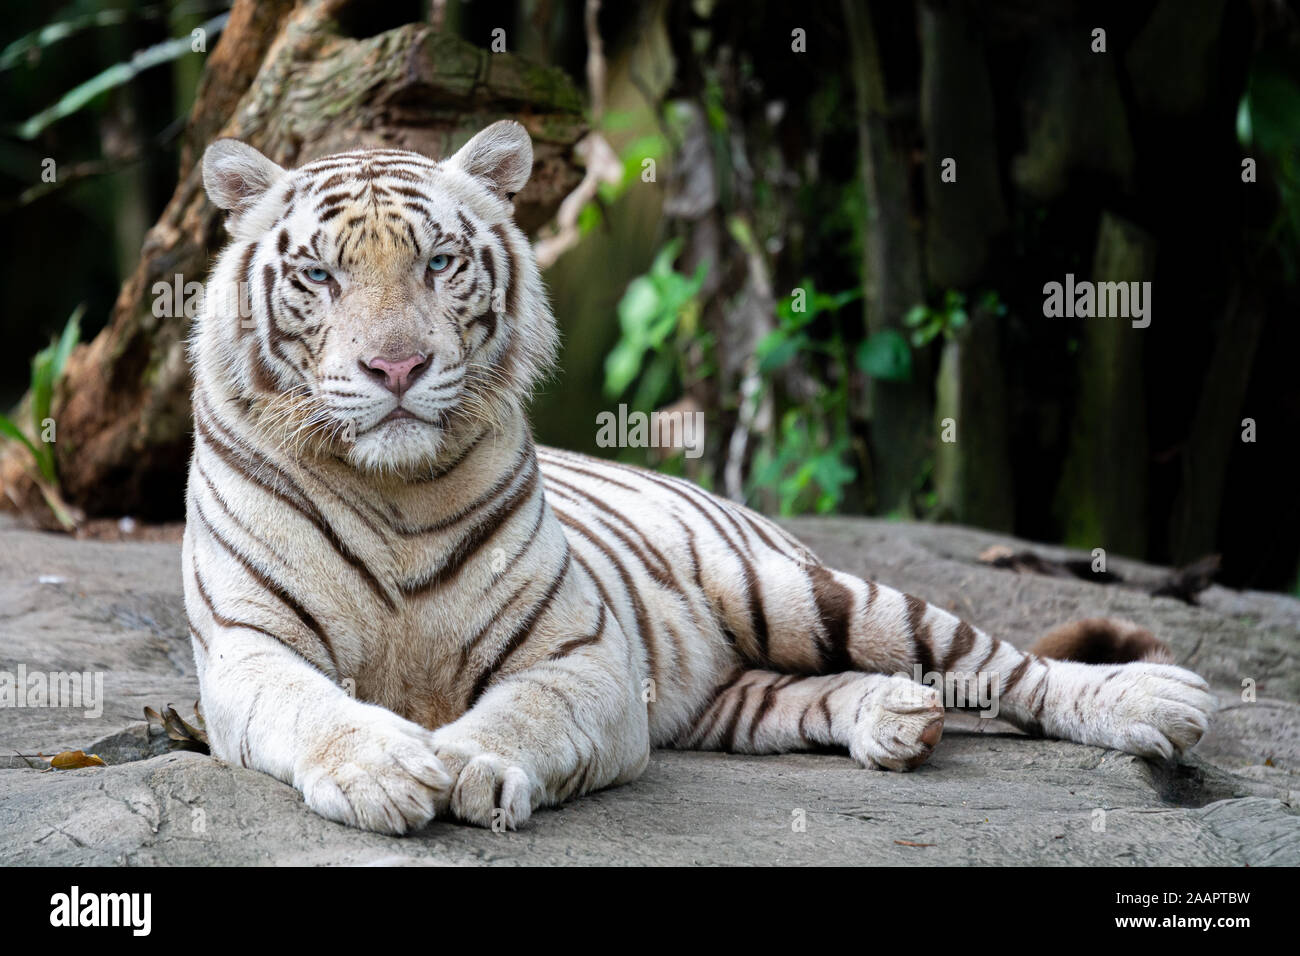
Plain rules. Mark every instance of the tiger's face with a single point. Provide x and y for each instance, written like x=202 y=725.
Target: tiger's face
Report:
x=393 y=307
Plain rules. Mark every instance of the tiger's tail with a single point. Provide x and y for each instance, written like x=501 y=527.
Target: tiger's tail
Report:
x=1103 y=640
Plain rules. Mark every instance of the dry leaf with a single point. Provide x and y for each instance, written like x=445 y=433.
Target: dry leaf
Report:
x=910 y=843
x=75 y=760
x=191 y=736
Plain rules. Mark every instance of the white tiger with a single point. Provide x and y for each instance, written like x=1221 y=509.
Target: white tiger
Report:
x=402 y=606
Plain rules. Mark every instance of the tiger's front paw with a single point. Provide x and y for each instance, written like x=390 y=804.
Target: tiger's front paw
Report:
x=489 y=790
x=898 y=725
x=374 y=770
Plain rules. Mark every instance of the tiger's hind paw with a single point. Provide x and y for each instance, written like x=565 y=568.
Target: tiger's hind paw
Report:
x=1151 y=710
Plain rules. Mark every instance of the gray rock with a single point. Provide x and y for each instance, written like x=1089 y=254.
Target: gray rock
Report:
x=988 y=796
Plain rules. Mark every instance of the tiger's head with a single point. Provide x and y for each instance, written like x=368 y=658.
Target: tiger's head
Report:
x=388 y=306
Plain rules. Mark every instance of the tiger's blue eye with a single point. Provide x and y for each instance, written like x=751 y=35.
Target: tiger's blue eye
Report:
x=317 y=274
x=440 y=263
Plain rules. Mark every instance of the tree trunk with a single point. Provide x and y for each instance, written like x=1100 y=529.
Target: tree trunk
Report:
x=1103 y=492
x=901 y=413
x=972 y=472
x=964 y=215
x=1216 y=429
x=285 y=79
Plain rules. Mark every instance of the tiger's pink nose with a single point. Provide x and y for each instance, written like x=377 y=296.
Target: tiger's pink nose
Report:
x=396 y=375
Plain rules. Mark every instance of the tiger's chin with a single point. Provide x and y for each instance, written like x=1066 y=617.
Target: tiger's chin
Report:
x=402 y=446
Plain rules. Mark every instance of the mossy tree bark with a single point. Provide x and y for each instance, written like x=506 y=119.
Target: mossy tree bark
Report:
x=1102 y=497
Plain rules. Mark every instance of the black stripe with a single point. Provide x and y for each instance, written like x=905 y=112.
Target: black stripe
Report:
x=267 y=583
x=643 y=624
x=835 y=608
x=568 y=647
x=758 y=618
x=236 y=452
x=920 y=633
x=477 y=537
x=597 y=509
x=521 y=633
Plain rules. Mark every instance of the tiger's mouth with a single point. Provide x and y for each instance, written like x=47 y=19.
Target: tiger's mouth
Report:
x=401 y=413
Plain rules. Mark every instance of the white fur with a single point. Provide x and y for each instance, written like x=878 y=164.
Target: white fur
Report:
x=406 y=619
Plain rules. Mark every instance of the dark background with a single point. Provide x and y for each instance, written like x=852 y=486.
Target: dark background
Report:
x=818 y=169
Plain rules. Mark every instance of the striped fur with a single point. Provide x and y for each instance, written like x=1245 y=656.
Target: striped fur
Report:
x=429 y=615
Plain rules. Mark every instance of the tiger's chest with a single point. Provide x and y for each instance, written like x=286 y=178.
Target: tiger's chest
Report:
x=453 y=601
x=411 y=651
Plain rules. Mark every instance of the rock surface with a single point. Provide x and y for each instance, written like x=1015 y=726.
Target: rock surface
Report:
x=988 y=796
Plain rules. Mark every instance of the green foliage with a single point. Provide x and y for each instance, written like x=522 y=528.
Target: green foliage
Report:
x=116 y=75
x=807 y=469
x=805 y=464
x=794 y=314
x=32 y=44
x=82 y=15
x=885 y=356
x=928 y=324
x=1268 y=120
x=47 y=369
x=658 y=318
x=653 y=146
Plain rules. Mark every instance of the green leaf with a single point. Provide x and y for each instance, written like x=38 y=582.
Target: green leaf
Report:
x=663 y=263
x=589 y=217
x=52 y=33
x=1274 y=106
x=47 y=367
x=886 y=356
x=42 y=384
x=777 y=348
x=638 y=307
x=68 y=340
x=10 y=430
x=840 y=299
x=1245 y=133
x=115 y=76
x=616 y=120
x=654 y=383
x=916 y=315
x=622 y=366
x=831 y=472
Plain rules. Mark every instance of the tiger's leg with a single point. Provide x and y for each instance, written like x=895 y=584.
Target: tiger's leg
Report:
x=561 y=725
x=1148 y=709
x=269 y=703
x=883 y=721
x=803 y=617
x=781 y=609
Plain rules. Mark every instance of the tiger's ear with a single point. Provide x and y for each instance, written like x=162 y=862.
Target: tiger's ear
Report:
x=501 y=156
x=236 y=175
